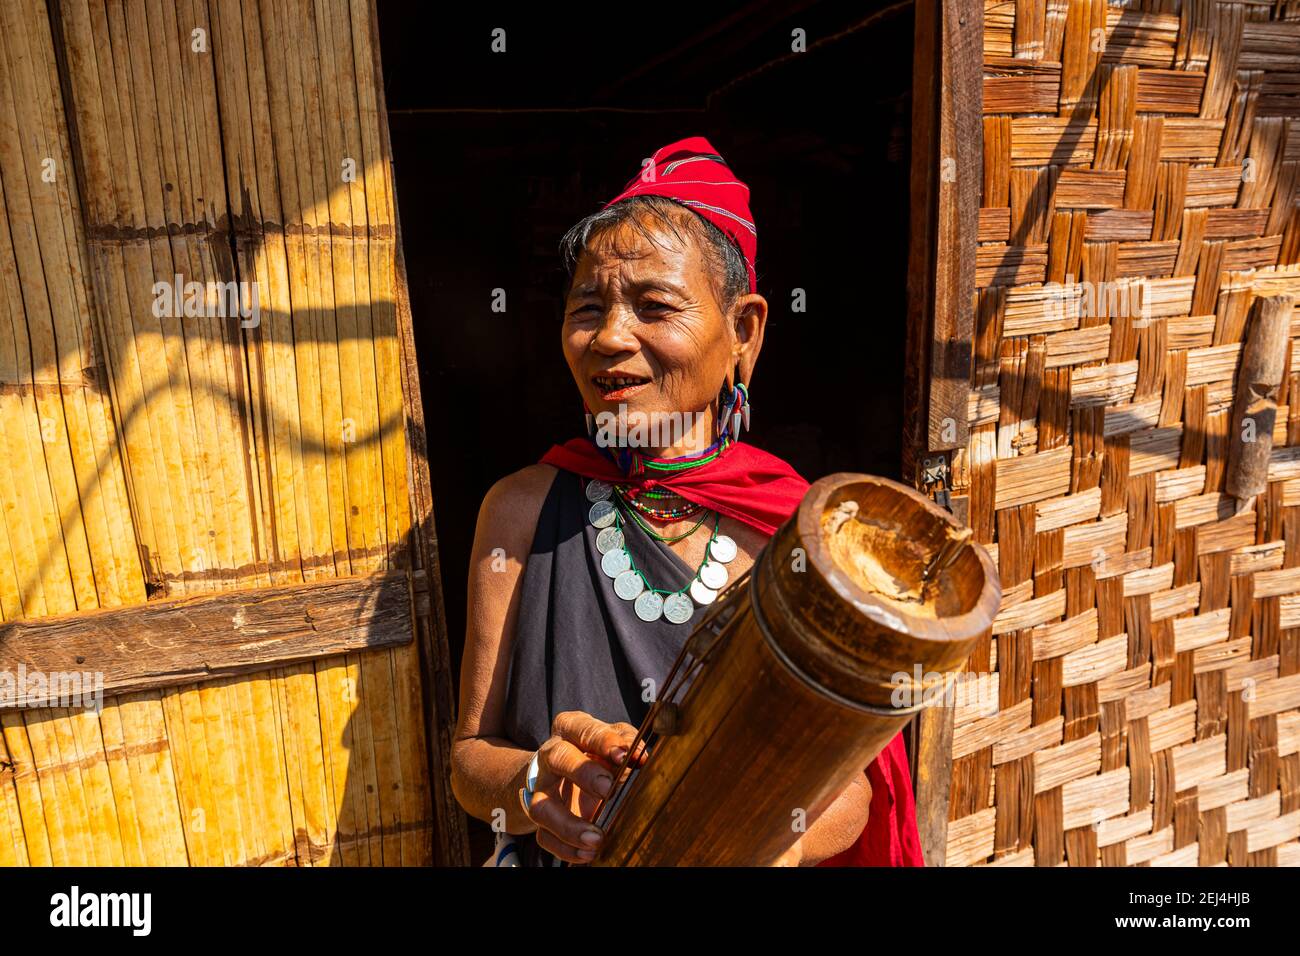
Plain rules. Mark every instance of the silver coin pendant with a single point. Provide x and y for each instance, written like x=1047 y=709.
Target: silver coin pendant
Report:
x=609 y=539
x=598 y=490
x=701 y=593
x=722 y=548
x=714 y=575
x=649 y=606
x=615 y=563
x=678 y=608
x=602 y=514
x=628 y=585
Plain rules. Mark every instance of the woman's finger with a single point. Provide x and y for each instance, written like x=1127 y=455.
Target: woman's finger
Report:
x=556 y=847
x=629 y=733
x=563 y=759
x=551 y=813
x=589 y=734
x=594 y=736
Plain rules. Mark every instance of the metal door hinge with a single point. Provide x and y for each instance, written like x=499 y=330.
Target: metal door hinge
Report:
x=936 y=479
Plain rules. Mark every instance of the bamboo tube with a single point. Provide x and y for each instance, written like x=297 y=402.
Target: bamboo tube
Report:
x=251 y=785
x=384 y=697
x=280 y=823
x=103 y=507
x=16 y=471
x=378 y=700
x=204 y=819
x=314 y=182
x=190 y=768
x=1258 y=379
x=13 y=844
x=47 y=297
x=165 y=197
x=63 y=808
x=336 y=691
x=119 y=771
x=10 y=594
x=801 y=690
x=87 y=744
x=220 y=484
x=156 y=338
x=295 y=791
x=142 y=730
x=290 y=158
x=41 y=840
x=363 y=767
x=345 y=211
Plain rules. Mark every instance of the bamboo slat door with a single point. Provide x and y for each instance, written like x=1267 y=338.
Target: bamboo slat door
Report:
x=1138 y=233
x=172 y=440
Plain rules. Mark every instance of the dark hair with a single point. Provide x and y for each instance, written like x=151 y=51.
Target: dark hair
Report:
x=723 y=256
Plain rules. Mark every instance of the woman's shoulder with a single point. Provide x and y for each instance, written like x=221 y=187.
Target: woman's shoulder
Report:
x=530 y=483
x=514 y=502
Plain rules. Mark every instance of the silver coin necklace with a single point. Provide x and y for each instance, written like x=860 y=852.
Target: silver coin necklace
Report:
x=629 y=582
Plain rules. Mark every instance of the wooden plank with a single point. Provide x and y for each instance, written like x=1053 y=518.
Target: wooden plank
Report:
x=175 y=642
x=960 y=145
x=941 y=279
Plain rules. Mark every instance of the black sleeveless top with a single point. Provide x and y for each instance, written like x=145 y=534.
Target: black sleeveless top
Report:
x=578 y=645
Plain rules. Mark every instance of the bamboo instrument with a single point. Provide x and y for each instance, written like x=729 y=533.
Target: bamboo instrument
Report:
x=801 y=674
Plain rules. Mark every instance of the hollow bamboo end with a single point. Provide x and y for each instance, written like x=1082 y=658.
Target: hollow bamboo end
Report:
x=871 y=578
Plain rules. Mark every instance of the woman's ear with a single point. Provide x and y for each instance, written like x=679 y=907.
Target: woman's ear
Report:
x=750 y=321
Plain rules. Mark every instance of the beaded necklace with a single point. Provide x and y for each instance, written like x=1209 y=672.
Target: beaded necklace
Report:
x=631 y=497
x=630 y=584
x=629 y=581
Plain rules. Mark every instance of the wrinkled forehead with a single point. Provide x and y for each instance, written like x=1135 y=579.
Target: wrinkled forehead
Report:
x=645 y=252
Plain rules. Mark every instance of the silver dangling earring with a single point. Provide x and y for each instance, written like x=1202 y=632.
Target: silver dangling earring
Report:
x=591 y=419
x=726 y=397
x=733 y=408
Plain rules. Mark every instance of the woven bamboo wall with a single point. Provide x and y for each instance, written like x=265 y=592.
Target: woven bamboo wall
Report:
x=147 y=455
x=1141 y=684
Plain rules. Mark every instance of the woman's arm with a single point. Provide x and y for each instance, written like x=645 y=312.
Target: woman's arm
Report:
x=838 y=828
x=578 y=762
x=487 y=769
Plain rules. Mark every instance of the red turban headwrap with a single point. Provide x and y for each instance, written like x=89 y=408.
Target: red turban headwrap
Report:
x=691 y=172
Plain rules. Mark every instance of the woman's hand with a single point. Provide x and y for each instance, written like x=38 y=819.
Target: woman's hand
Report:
x=576 y=769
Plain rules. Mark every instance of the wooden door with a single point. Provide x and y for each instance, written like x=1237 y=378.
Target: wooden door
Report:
x=215 y=492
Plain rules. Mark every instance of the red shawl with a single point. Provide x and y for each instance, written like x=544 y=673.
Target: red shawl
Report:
x=760 y=490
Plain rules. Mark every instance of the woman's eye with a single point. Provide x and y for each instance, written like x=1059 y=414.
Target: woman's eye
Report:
x=585 y=312
x=657 y=308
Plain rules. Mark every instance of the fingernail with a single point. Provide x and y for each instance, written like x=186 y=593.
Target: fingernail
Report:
x=604 y=784
x=590 y=837
x=587 y=854
x=618 y=753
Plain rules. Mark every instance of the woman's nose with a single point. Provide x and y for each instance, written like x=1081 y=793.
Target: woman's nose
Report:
x=614 y=334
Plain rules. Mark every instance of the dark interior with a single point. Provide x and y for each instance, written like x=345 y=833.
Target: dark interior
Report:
x=497 y=154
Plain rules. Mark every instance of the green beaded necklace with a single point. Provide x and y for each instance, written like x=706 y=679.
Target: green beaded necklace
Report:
x=630 y=584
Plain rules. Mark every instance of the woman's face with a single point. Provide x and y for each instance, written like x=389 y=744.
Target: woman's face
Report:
x=643 y=327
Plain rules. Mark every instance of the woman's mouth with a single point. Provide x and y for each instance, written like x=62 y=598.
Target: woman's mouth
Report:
x=616 y=388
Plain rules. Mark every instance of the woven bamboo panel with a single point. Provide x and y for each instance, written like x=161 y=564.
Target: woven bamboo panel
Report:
x=1140 y=697
x=186 y=454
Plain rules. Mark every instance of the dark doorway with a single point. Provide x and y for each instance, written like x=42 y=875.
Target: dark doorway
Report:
x=497 y=154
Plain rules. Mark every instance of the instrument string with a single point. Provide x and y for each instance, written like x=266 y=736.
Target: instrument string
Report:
x=609 y=808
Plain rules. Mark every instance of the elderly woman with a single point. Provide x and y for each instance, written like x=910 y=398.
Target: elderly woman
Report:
x=589 y=567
